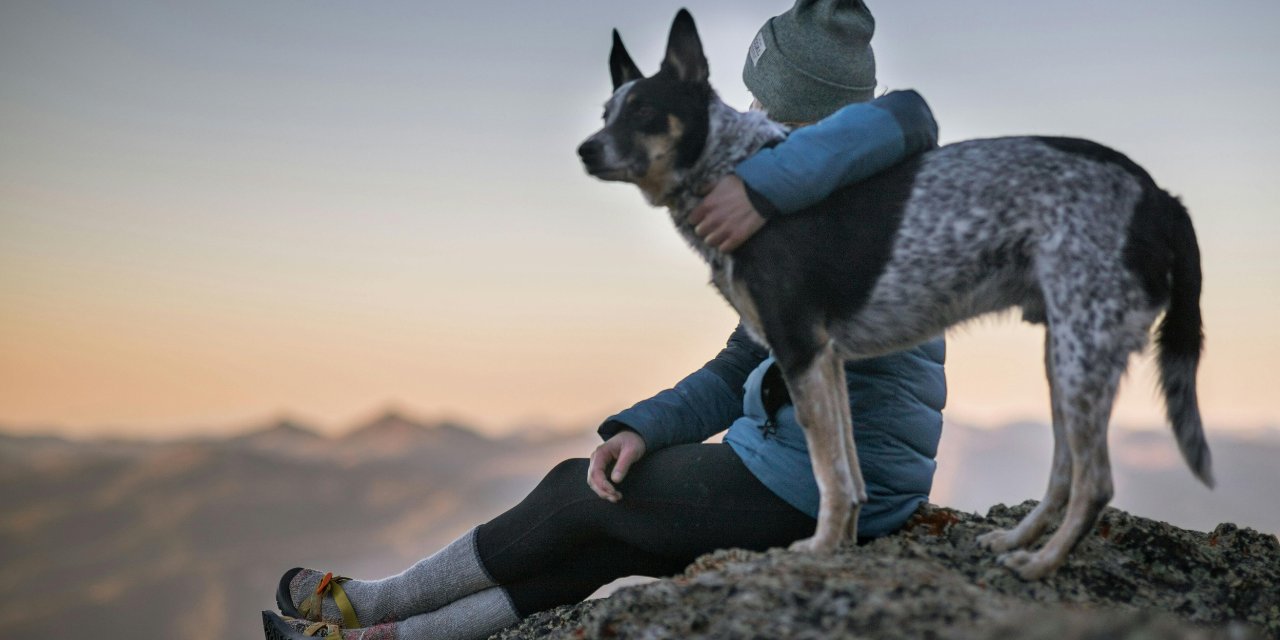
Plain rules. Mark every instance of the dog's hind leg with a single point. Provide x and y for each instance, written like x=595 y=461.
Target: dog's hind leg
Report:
x=1086 y=375
x=1055 y=497
x=822 y=407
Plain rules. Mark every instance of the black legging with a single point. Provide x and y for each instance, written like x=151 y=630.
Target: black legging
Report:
x=563 y=542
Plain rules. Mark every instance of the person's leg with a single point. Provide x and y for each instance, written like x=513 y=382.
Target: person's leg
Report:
x=485 y=612
x=472 y=617
x=563 y=542
x=678 y=503
x=587 y=570
x=432 y=582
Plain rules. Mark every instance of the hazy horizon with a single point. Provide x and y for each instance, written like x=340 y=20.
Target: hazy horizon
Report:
x=530 y=428
x=213 y=214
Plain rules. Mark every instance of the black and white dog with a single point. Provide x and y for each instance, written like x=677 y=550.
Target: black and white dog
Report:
x=1074 y=233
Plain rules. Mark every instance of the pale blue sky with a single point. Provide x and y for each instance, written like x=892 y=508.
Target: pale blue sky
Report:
x=211 y=212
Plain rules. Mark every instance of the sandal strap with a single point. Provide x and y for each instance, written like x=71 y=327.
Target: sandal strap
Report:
x=312 y=608
x=330 y=630
x=349 y=619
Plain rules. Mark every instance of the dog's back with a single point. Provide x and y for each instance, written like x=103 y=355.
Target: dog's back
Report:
x=964 y=230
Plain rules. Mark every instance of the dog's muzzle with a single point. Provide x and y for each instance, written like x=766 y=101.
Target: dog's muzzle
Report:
x=600 y=160
x=592 y=154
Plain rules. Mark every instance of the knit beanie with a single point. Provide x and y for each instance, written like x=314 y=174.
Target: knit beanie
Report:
x=808 y=62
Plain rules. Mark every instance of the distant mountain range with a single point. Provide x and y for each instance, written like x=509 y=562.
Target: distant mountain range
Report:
x=981 y=467
x=186 y=539
x=130 y=539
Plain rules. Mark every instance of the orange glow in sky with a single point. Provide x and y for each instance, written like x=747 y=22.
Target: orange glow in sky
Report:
x=213 y=215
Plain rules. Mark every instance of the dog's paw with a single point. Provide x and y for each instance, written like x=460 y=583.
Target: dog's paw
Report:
x=812 y=545
x=999 y=541
x=1028 y=565
x=803 y=546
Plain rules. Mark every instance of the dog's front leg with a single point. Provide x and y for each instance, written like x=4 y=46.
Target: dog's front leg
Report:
x=822 y=407
x=845 y=422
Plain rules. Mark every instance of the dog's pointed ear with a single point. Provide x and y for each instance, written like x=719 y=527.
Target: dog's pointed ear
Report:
x=684 y=50
x=621 y=66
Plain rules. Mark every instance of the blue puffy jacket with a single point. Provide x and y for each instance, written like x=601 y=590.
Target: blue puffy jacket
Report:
x=896 y=400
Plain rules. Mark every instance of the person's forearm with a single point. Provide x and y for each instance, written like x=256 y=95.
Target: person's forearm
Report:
x=695 y=409
x=699 y=406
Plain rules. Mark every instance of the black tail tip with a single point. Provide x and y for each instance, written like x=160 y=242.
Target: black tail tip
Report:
x=1206 y=476
x=1200 y=461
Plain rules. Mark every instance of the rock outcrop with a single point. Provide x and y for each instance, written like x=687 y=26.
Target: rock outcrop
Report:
x=1130 y=578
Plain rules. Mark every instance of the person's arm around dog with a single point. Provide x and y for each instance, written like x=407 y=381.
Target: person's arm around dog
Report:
x=853 y=144
x=726 y=218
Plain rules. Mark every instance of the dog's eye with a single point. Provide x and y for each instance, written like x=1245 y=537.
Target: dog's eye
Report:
x=645 y=112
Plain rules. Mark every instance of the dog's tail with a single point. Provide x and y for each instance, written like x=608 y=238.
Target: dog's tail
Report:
x=1180 y=339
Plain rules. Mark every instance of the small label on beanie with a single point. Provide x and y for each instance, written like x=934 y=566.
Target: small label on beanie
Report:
x=757 y=49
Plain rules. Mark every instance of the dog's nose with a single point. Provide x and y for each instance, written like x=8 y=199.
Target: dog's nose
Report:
x=591 y=152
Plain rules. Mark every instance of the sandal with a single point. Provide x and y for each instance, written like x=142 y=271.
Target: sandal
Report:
x=277 y=627
x=311 y=609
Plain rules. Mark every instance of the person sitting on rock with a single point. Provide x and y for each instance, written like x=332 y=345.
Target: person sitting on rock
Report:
x=655 y=495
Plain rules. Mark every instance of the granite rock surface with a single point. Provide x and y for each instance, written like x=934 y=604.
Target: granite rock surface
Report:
x=1131 y=578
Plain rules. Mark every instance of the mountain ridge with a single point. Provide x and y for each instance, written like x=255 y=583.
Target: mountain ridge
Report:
x=94 y=534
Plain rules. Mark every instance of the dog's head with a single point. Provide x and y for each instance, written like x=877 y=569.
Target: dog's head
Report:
x=655 y=127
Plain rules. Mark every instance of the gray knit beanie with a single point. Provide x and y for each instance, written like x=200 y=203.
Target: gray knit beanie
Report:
x=810 y=61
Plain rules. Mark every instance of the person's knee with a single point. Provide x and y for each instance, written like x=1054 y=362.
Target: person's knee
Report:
x=567 y=478
x=570 y=470
x=566 y=503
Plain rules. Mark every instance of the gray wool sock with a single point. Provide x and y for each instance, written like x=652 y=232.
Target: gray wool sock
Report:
x=474 y=617
x=431 y=583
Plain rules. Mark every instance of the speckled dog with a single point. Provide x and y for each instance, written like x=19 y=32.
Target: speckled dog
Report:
x=1075 y=234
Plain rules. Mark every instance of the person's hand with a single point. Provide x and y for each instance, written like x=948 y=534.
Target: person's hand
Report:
x=618 y=453
x=725 y=218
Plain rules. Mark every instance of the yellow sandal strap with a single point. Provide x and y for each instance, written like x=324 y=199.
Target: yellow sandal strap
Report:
x=312 y=608
x=349 y=619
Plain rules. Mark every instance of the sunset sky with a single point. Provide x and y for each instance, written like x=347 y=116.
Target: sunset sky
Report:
x=213 y=214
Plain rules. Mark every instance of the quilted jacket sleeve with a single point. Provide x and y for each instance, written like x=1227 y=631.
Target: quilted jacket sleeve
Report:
x=850 y=145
